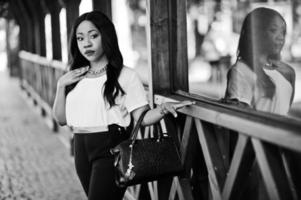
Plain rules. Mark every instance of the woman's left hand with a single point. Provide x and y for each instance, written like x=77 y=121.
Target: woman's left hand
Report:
x=171 y=107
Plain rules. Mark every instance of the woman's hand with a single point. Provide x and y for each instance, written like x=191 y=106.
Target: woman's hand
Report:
x=172 y=108
x=154 y=115
x=72 y=76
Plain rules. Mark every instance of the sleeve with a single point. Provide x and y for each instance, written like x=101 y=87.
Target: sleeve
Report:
x=239 y=86
x=135 y=96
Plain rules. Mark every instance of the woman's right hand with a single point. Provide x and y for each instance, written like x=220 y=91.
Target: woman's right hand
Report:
x=72 y=76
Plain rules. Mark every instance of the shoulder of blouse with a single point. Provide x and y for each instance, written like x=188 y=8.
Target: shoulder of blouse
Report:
x=242 y=69
x=126 y=74
x=287 y=70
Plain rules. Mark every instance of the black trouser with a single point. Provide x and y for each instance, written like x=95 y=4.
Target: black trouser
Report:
x=94 y=163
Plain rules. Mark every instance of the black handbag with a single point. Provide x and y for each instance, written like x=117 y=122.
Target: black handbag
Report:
x=144 y=160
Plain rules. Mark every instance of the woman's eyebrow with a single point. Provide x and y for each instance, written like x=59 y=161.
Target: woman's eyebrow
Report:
x=80 y=33
x=92 y=30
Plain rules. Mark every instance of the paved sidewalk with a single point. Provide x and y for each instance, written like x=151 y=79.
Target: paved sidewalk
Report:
x=34 y=164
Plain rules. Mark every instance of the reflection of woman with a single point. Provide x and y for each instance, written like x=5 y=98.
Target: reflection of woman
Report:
x=259 y=78
x=96 y=98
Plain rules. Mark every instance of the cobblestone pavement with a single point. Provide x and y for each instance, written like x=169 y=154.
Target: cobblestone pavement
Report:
x=34 y=164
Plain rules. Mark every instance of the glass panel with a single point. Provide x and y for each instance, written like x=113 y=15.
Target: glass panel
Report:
x=129 y=17
x=211 y=44
x=249 y=59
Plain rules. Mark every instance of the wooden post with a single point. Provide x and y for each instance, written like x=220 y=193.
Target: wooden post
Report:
x=178 y=32
x=168 y=47
x=24 y=27
x=72 y=12
x=104 y=6
x=28 y=18
x=54 y=8
x=160 y=49
x=34 y=10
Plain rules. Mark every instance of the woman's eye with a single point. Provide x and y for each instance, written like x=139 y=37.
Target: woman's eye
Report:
x=79 y=38
x=94 y=36
x=273 y=30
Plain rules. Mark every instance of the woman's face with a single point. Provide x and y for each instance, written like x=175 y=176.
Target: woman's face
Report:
x=275 y=36
x=89 y=41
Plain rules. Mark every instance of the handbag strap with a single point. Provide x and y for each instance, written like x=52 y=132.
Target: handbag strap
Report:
x=137 y=126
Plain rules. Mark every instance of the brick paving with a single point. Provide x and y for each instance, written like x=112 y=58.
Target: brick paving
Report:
x=34 y=164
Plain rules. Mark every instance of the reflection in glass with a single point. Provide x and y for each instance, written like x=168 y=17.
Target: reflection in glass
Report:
x=211 y=44
x=213 y=32
x=259 y=77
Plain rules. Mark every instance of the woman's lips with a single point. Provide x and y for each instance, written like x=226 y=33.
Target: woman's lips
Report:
x=89 y=53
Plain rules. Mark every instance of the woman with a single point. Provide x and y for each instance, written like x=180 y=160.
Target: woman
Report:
x=96 y=98
x=259 y=78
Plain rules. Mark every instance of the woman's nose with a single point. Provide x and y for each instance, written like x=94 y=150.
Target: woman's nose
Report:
x=281 y=36
x=87 y=43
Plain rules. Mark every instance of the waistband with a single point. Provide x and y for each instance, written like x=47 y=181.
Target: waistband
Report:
x=82 y=130
x=99 y=129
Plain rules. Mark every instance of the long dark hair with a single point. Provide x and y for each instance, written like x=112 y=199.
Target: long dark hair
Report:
x=252 y=38
x=111 y=49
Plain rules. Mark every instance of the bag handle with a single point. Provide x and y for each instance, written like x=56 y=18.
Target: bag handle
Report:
x=137 y=126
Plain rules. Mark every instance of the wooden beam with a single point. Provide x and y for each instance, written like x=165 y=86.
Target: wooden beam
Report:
x=104 y=6
x=185 y=138
x=241 y=164
x=54 y=7
x=160 y=49
x=35 y=10
x=178 y=33
x=72 y=12
x=25 y=33
x=29 y=23
x=272 y=170
x=213 y=158
x=184 y=191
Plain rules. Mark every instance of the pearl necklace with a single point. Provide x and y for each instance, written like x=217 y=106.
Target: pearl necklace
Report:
x=98 y=72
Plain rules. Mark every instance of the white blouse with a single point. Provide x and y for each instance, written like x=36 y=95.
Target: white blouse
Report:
x=242 y=86
x=87 y=111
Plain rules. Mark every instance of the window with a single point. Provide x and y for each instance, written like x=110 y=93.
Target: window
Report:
x=213 y=33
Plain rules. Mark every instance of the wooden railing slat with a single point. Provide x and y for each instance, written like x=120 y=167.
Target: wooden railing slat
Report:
x=272 y=171
x=241 y=164
x=185 y=138
x=213 y=158
x=184 y=191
